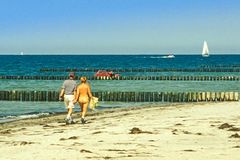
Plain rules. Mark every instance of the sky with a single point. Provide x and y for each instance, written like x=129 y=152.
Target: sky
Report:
x=119 y=26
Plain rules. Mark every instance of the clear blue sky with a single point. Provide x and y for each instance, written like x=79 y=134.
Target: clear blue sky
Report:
x=119 y=26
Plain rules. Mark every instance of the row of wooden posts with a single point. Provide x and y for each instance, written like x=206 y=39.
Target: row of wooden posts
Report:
x=15 y=95
x=171 y=78
x=142 y=70
x=221 y=66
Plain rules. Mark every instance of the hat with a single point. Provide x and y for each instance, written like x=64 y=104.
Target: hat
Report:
x=71 y=74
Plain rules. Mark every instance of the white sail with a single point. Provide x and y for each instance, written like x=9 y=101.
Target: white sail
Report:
x=205 y=51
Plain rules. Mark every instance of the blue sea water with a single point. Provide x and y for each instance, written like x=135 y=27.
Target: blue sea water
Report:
x=31 y=65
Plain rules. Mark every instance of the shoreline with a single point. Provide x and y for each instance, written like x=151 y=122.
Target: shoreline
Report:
x=59 y=116
x=183 y=131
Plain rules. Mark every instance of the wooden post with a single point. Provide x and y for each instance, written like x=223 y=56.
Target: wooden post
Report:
x=226 y=95
x=6 y=95
x=137 y=97
x=132 y=97
x=194 y=97
x=231 y=96
x=100 y=96
x=180 y=97
x=35 y=96
x=28 y=96
x=165 y=97
x=142 y=97
x=123 y=96
x=156 y=97
x=49 y=95
x=43 y=96
x=56 y=95
x=17 y=96
x=160 y=96
x=203 y=96
x=128 y=96
x=184 y=97
x=10 y=95
x=107 y=96
x=222 y=96
x=117 y=96
x=208 y=96
x=169 y=97
x=22 y=95
x=212 y=96
x=218 y=96
x=114 y=96
x=1 y=95
x=145 y=94
x=236 y=97
x=176 y=97
x=199 y=96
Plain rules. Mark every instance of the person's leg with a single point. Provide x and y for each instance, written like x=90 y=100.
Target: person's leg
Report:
x=84 y=112
x=69 y=113
x=66 y=102
x=81 y=108
x=70 y=108
x=69 y=105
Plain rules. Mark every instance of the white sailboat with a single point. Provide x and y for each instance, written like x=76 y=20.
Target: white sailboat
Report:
x=205 y=51
x=21 y=53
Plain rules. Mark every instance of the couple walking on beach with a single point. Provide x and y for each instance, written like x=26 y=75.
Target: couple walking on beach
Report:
x=73 y=93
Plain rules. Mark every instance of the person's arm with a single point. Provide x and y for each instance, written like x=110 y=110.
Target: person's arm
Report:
x=61 y=94
x=89 y=92
x=75 y=91
x=76 y=95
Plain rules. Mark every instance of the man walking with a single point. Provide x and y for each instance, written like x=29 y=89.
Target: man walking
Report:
x=68 y=93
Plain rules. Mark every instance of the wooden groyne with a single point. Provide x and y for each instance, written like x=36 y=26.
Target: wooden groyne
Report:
x=205 y=69
x=160 y=78
x=221 y=66
x=125 y=96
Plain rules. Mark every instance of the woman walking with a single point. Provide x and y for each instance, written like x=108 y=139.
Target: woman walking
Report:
x=83 y=97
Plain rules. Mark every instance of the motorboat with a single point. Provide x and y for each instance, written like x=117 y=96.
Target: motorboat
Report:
x=169 y=56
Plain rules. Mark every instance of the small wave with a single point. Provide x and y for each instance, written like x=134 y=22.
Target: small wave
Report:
x=33 y=115
x=146 y=57
x=155 y=57
x=10 y=118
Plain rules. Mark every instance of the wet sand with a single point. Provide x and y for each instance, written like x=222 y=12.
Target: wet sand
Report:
x=177 y=131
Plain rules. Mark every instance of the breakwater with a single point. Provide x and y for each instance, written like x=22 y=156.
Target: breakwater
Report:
x=15 y=95
x=171 y=78
x=205 y=69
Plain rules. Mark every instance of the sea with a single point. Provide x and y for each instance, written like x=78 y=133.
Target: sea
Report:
x=32 y=65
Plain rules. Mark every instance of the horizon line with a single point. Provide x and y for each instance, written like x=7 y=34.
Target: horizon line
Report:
x=194 y=53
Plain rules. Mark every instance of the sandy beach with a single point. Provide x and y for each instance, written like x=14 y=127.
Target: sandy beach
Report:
x=176 y=131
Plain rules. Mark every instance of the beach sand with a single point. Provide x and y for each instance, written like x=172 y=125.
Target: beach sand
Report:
x=176 y=131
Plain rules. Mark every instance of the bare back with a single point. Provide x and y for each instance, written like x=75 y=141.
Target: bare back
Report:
x=84 y=93
x=83 y=89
